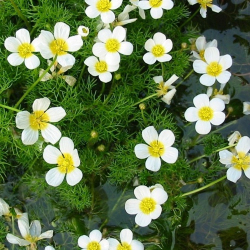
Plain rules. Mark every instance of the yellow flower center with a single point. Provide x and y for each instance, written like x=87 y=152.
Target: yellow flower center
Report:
x=101 y=67
x=214 y=69
x=158 y=50
x=38 y=120
x=84 y=30
x=124 y=246
x=65 y=163
x=201 y=53
x=93 y=245
x=25 y=50
x=241 y=161
x=112 y=45
x=162 y=89
x=59 y=47
x=147 y=205
x=155 y=3
x=156 y=149
x=205 y=3
x=31 y=239
x=205 y=113
x=103 y=5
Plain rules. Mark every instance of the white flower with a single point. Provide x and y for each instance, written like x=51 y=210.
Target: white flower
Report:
x=159 y=146
x=31 y=234
x=39 y=120
x=156 y=7
x=83 y=31
x=93 y=241
x=204 y=4
x=22 y=50
x=59 y=43
x=5 y=210
x=205 y=112
x=146 y=206
x=67 y=161
x=238 y=162
x=127 y=242
x=100 y=68
x=112 y=44
x=103 y=8
x=141 y=11
x=201 y=45
x=214 y=67
x=218 y=93
x=233 y=138
x=164 y=87
x=123 y=17
x=246 y=108
x=49 y=248
x=158 y=48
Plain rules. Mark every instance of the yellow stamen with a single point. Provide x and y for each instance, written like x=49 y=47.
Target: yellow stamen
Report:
x=101 y=67
x=25 y=50
x=59 y=47
x=112 y=45
x=158 y=50
x=155 y=3
x=214 y=69
x=65 y=163
x=201 y=53
x=147 y=205
x=241 y=161
x=205 y=3
x=205 y=113
x=156 y=149
x=93 y=245
x=38 y=120
x=162 y=89
x=124 y=246
x=103 y=5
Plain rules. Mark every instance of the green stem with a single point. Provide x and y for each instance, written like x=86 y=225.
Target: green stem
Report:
x=103 y=88
x=162 y=69
x=220 y=149
x=144 y=99
x=143 y=117
x=189 y=19
x=8 y=107
x=185 y=78
x=112 y=88
x=35 y=83
x=13 y=228
x=20 y=14
x=114 y=207
x=202 y=188
x=82 y=71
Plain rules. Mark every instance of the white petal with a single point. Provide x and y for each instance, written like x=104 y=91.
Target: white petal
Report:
x=12 y=44
x=126 y=235
x=61 y=30
x=23 y=226
x=92 y=12
x=4 y=207
x=191 y=114
x=83 y=241
x=55 y=114
x=164 y=58
x=144 y=5
x=200 y=66
x=35 y=228
x=226 y=62
x=41 y=104
x=23 y=36
x=223 y=77
x=149 y=134
x=170 y=155
x=207 y=80
x=149 y=58
x=243 y=145
x=136 y=245
x=159 y=195
x=99 y=50
x=104 y=244
x=49 y=248
x=158 y=79
x=76 y=159
x=74 y=177
x=168 y=45
x=66 y=145
x=202 y=127
x=200 y=43
x=91 y=61
x=113 y=58
x=203 y=12
x=45 y=51
x=153 y=163
x=113 y=244
x=51 y=154
x=29 y=136
x=115 y=4
x=46 y=37
x=23 y=119
x=14 y=59
x=46 y=235
x=95 y=235
x=166 y=137
x=105 y=77
x=141 y=151
x=217 y=104
x=149 y=44
x=212 y=54
x=142 y=220
x=215 y=8
x=141 y=192
x=218 y=118
x=66 y=60
x=51 y=133
x=225 y=157
x=119 y=33
x=36 y=44
x=247 y=172
x=32 y=62
x=156 y=213
x=15 y=240
x=104 y=35
x=201 y=100
x=126 y=48
x=108 y=17
x=132 y=206
x=54 y=177
x=233 y=174
x=167 y=4
x=74 y=43
x=113 y=67
x=156 y=13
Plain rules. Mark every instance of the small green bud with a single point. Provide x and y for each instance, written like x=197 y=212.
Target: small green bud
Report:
x=142 y=106
x=118 y=76
x=183 y=45
x=200 y=180
x=101 y=148
x=93 y=134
